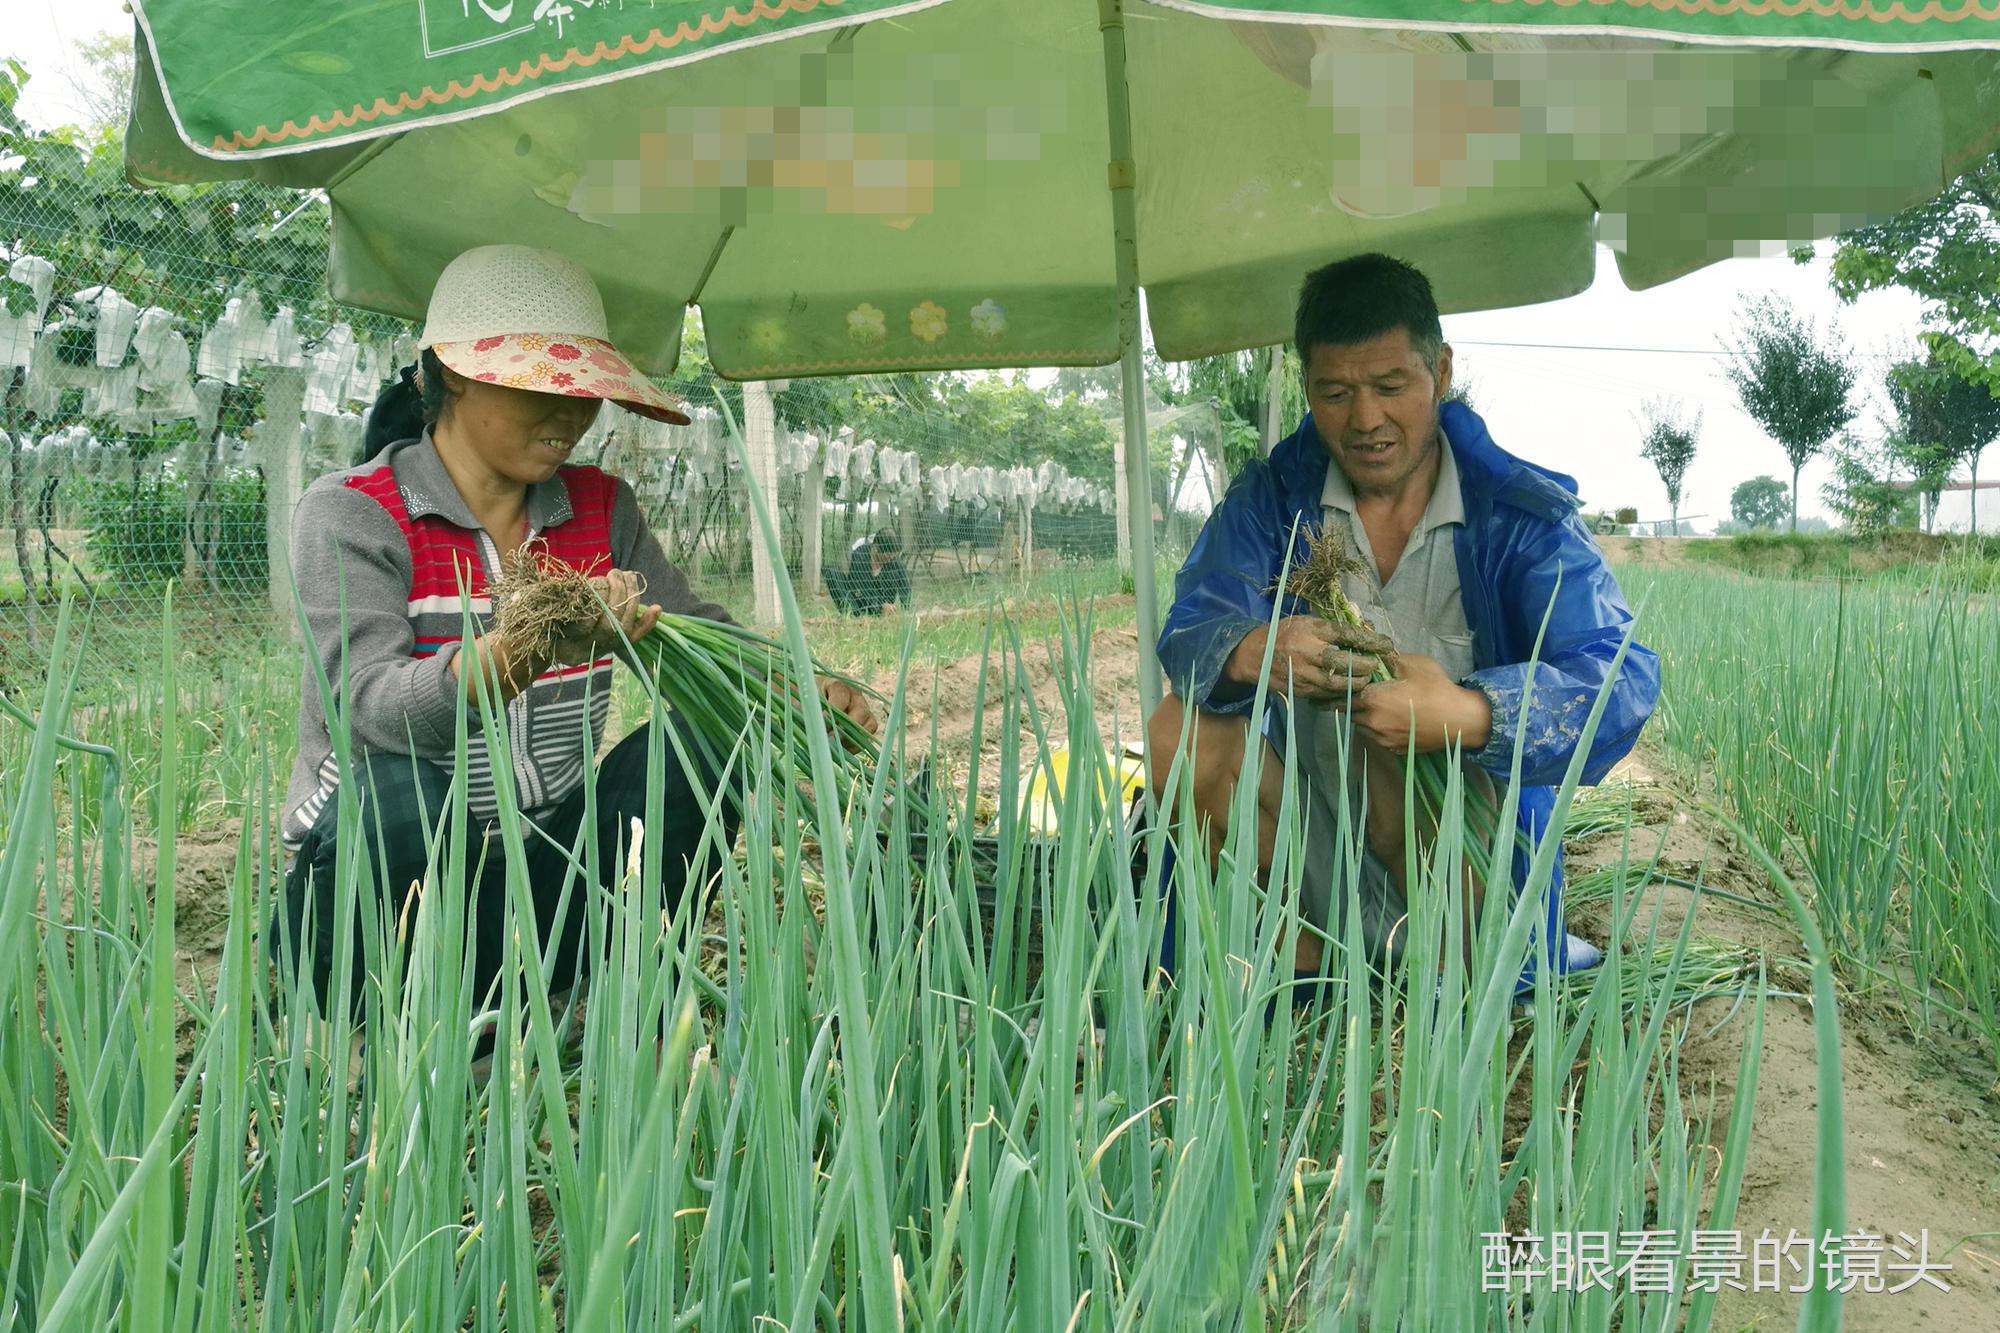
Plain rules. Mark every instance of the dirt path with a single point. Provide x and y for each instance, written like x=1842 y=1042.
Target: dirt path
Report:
x=1922 y=1120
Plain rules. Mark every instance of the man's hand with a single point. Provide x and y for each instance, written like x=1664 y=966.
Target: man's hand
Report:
x=844 y=698
x=1312 y=659
x=1442 y=709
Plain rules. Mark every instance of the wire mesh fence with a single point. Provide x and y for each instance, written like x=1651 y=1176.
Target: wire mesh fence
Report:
x=173 y=373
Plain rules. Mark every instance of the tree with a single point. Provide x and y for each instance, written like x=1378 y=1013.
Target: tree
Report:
x=1759 y=502
x=1946 y=250
x=1791 y=383
x=1238 y=386
x=1918 y=440
x=1929 y=465
x=1944 y=418
x=1461 y=390
x=1669 y=446
x=1863 y=491
x=105 y=90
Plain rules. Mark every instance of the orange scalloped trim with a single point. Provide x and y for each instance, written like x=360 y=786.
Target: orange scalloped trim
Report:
x=763 y=11
x=760 y=11
x=1842 y=9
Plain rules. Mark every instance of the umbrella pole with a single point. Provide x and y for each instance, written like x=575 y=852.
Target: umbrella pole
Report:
x=1124 y=179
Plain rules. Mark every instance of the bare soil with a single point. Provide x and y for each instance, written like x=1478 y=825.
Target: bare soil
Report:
x=1831 y=554
x=1922 y=1117
x=951 y=695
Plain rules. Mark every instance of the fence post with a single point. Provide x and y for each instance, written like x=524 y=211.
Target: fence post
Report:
x=280 y=447
x=1274 y=400
x=760 y=440
x=811 y=498
x=906 y=522
x=1124 y=503
x=1027 y=539
x=17 y=518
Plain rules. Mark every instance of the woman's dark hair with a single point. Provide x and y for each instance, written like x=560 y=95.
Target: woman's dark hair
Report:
x=1365 y=296
x=437 y=395
x=887 y=542
x=401 y=410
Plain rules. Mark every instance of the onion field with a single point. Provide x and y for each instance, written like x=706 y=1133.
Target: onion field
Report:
x=894 y=1066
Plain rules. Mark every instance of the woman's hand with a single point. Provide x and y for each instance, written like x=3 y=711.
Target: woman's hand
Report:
x=844 y=698
x=623 y=613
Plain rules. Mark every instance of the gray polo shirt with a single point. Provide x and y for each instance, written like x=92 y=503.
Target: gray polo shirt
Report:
x=1419 y=608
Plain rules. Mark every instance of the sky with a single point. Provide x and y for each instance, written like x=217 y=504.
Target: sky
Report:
x=42 y=34
x=1557 y=383
x=1577 y=407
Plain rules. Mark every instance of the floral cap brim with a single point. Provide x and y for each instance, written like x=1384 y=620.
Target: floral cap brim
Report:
x=578 y=367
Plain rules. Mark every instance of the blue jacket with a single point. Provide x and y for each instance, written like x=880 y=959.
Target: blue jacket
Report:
x=1521 y=548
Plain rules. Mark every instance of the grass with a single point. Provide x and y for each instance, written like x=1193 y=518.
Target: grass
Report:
x=913 y=1133
x=918 y=1130
x=1902 y=557
x=949 y=621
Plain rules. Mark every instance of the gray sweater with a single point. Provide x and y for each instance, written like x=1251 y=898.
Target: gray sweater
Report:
x=390 y=536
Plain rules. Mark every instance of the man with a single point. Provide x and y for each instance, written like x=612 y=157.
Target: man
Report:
x=874 y=580
x=1457 y=551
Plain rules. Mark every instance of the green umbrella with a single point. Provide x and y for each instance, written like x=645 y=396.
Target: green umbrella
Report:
x=865 y=185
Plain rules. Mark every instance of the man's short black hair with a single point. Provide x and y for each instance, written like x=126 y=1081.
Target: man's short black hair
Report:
x=1365 y=296
x=887 y=542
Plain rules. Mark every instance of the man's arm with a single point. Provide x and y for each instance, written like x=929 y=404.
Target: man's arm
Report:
x=1544 y=706
x=1223 y=593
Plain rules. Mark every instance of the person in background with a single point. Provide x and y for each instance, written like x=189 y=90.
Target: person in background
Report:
x=398 y=414
x=874 y=580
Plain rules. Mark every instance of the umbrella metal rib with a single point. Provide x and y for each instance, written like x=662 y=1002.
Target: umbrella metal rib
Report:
x=1123 y=179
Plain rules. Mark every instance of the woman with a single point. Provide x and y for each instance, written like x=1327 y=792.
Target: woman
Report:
x=516 y=363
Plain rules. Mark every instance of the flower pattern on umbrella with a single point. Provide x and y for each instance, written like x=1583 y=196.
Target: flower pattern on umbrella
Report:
x=928 y=322
x=867 y=325
x=989 y=320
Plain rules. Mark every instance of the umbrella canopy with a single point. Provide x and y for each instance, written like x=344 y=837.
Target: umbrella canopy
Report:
x=869 y=185
x=890 y=185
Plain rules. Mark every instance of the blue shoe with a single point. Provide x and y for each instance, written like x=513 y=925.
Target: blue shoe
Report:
x=1579 y=954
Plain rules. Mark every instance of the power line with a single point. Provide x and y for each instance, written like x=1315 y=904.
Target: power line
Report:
x=1584 y=347
x=1650 y=351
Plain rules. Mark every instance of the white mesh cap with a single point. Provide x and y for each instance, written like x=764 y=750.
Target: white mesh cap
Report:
x=524 y=318
x=496 y=290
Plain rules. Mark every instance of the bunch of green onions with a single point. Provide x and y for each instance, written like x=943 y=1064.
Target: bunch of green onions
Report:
x=1317 y=582
x=721 y=680
x=724 y=681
